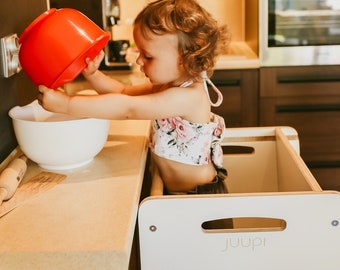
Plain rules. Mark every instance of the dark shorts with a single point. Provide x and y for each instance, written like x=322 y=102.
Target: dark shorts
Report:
x=216 y=186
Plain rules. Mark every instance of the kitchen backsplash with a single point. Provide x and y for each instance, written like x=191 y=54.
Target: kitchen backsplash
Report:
x=15 y=16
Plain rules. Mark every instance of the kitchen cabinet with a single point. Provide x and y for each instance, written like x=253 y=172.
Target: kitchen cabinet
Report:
x=308 y=99
x=240 y=96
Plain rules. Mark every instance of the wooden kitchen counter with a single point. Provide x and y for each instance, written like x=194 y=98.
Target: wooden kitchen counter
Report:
x=237 y=56
x=88 y=220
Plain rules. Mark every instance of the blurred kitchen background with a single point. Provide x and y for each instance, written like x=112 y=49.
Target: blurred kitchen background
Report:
x=281 y=68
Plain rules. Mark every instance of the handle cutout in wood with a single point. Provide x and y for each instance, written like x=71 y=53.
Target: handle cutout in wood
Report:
x=244 y=224
x=237 y=149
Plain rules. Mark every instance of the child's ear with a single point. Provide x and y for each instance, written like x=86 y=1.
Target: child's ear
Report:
x=180 y=62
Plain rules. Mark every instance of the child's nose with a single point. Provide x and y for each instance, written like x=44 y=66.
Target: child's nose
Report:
x=139 y=61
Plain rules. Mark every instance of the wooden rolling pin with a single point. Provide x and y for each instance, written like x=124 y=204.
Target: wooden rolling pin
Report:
x=11 y=177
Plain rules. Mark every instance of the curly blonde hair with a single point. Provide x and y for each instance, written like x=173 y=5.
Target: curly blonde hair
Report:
x=200 y=38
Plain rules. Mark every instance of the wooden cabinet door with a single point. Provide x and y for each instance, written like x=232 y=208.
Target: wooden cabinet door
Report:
x=240 y=96
x=307 y=99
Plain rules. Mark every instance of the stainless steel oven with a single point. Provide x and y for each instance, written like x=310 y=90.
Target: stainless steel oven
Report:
x=299 y=32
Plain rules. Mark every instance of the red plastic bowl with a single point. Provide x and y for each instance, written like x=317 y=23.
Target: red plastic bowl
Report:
x=53 y=48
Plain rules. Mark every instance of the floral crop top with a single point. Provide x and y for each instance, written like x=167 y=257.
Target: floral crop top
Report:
x=191 y=143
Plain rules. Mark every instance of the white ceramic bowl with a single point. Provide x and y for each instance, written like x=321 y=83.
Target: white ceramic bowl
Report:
x=57 y=141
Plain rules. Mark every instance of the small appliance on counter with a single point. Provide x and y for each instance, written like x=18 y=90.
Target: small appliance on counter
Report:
x=115 y=51
x=106 y=14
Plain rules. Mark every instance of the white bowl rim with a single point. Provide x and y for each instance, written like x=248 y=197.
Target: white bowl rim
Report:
x=34 y=112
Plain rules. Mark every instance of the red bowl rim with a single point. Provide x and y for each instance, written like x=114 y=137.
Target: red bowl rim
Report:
x=36 y=21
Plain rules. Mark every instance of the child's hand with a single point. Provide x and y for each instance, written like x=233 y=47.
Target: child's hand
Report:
x=53 y=100
x=93 y=65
